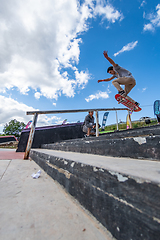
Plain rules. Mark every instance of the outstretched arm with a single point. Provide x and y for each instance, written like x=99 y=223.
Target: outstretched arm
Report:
x=106 y=80
x=105 y=53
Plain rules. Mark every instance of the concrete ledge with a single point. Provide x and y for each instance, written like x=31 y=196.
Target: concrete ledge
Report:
x=50 y=134
x=134 y=132
x=146 y=147
x=127 y=205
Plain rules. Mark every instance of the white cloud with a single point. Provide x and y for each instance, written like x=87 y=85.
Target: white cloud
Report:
x=38 y=41
x=98 y=95
x=148 y=27
x=108 y=12
x=144 y=89
x=37 y=95
x=11 y=109
x=40 y=44
x=82 y=78
x=127 y=47
x=154 y=19
x=143 y=3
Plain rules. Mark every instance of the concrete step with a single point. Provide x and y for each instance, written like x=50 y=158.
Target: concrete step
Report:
x=122 y=193
x=140 y=147
x=134 y=132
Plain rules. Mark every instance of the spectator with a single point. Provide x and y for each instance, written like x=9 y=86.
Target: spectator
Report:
x=89 y=126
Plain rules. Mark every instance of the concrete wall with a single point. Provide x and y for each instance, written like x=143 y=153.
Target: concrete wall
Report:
x=136 y=147
x=50 y=134
x=128 y=207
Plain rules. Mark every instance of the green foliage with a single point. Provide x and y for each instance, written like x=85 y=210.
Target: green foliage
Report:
x=14 y=127
x=135 y=125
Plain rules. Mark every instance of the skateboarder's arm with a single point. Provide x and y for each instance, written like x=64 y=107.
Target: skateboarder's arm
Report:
x=105 y=53
x=107 y=79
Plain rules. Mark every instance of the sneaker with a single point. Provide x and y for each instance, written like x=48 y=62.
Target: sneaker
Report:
x=86 y=136
x=121 y=92
x=137 y=103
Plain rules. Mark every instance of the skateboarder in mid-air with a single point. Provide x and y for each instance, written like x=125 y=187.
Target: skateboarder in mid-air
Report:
x=124 y=77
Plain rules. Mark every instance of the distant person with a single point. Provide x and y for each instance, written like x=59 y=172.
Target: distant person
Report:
x=89 y=126
x=124 y=77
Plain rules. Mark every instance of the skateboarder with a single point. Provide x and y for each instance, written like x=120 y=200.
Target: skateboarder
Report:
x=124 y=77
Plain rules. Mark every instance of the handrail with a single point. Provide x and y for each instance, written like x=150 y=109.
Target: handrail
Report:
x=74 y=111
x=35 y=113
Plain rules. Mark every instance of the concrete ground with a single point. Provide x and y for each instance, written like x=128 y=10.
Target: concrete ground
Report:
x=39 y=209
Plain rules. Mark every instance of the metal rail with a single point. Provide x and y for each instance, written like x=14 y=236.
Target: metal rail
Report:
x=74 y=111
x=35 y=113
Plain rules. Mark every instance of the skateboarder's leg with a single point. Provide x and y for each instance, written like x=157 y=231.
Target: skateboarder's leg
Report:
x=116 y=83
x=128 y=87
x=129 y=84
x=127 y=81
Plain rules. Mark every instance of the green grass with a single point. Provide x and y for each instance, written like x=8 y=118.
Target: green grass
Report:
x=123 y=126
x=101 y=132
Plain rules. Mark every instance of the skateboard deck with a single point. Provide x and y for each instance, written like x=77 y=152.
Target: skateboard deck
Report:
x=133 y=107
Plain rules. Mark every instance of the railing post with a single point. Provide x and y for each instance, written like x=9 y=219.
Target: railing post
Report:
x=129 y=119
x=31 y=136
x=117 y=121
x=97 y=125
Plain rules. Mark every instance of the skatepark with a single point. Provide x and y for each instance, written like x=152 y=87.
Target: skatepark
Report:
x=79 y=120
x=104 y=187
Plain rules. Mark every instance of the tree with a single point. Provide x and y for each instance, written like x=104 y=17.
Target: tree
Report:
x=14 y=127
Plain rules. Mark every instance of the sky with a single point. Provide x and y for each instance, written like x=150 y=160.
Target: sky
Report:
x=52 y=57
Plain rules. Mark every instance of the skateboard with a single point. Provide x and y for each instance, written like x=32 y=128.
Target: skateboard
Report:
x=133 y=107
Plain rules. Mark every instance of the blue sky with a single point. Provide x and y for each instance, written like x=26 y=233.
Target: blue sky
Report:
x=52 y=56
